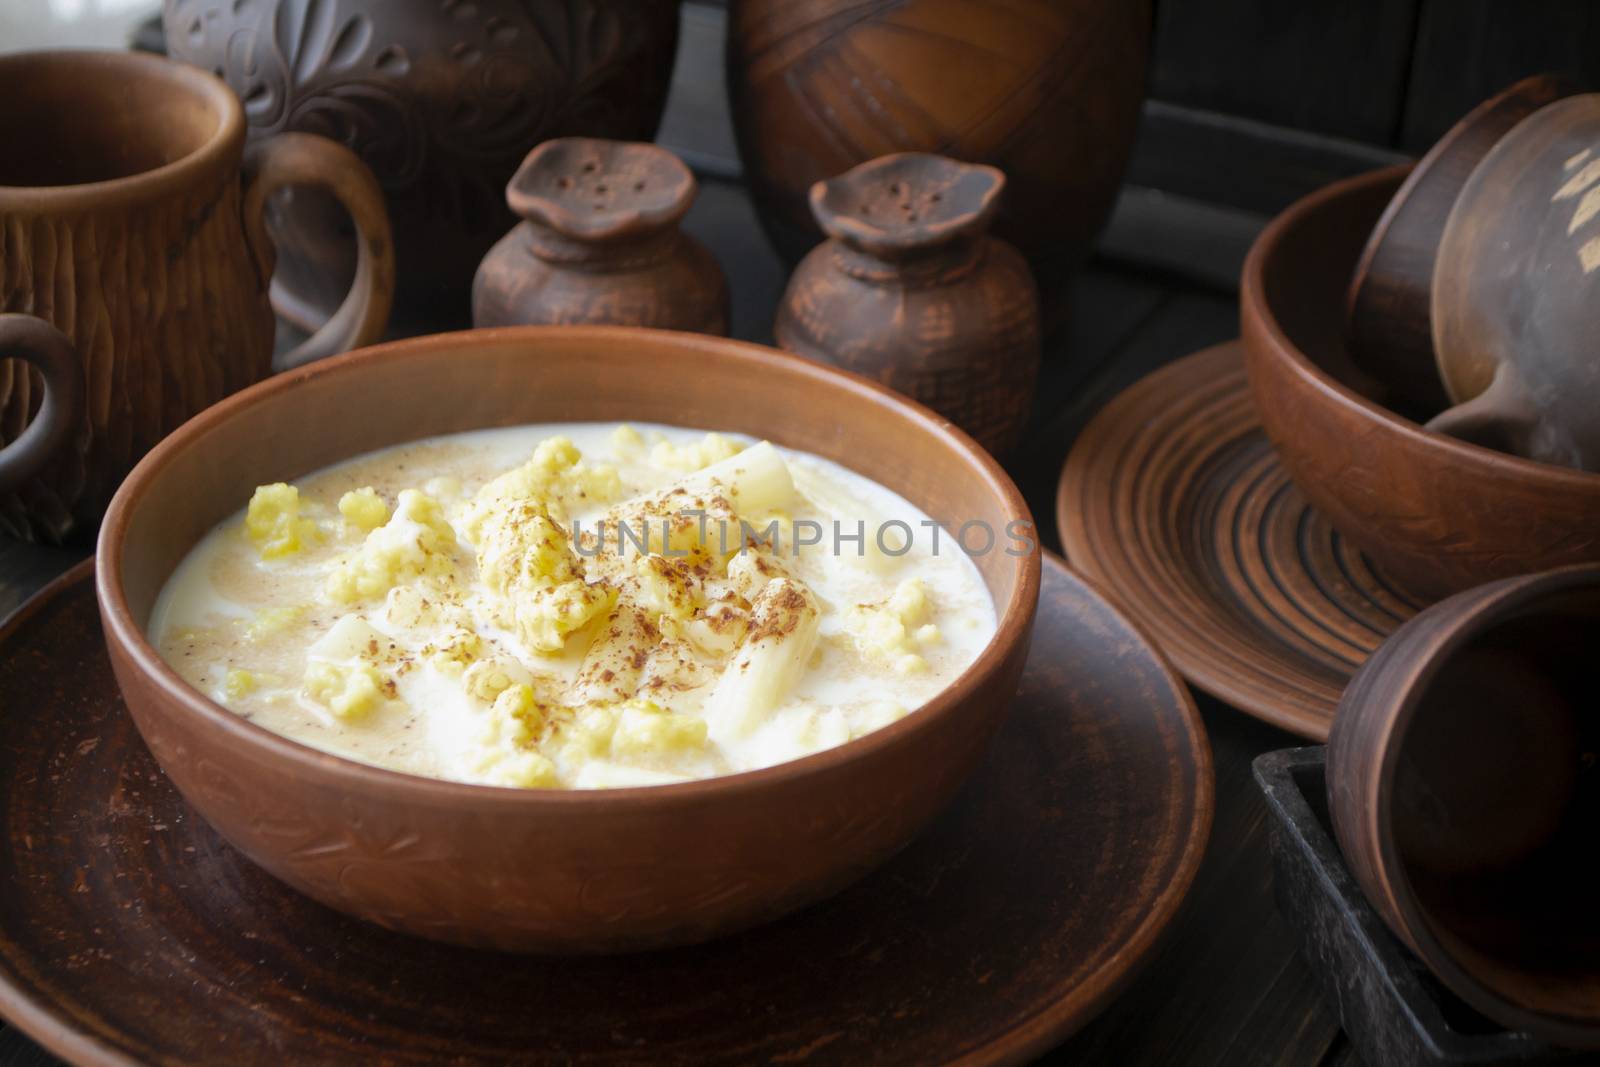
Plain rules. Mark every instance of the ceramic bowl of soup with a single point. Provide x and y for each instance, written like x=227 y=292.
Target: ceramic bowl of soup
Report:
x=476 y=455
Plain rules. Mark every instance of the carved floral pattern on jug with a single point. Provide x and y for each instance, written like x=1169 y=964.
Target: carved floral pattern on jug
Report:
x=442 y=98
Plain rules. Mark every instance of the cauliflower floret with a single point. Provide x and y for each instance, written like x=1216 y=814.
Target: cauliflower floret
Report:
x=555 y=478
x=238 y=684
x=626 y=441
x=588 y=736
x=714 y=448
x=678 y=524
x=443 y=487
x=665 y=587
x=524 y=558
x=816 y=729
x=363 y=509
x=348 y=690
x=896 y=630
x=455 y=651
x=416 y=541
x=273 y=521
x=515 y=717
x=488 y=678
x=271 y=622
x=526 y=769
x=409 y=608
x=645 y=728
x=876 y=716
x=507 y=748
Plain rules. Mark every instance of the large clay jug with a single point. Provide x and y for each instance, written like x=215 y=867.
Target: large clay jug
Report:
x=1046 y=90
x=443 y=99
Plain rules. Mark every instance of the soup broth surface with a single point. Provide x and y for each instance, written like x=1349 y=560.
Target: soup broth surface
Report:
x=575 y=606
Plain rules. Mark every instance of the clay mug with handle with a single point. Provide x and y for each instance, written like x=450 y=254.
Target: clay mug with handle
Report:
x=135 y=266
x=1516 y=292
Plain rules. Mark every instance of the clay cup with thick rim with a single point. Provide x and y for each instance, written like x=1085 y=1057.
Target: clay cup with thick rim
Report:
x=134 y=267
x=1465 y=794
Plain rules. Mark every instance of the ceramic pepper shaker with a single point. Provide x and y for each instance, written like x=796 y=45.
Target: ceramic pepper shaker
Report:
x=600 y=243
x=910 y=289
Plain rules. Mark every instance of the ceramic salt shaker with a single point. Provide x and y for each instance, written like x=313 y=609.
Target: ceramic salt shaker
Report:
x=599 y=244
x=911 y=290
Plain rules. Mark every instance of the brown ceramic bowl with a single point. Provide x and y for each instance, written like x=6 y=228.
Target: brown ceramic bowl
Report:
x=1391 y=292
x=554 y=871
x=1437 y=514
x=1466 y=797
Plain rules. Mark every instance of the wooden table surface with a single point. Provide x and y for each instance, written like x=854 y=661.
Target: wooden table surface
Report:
x=1227 y=987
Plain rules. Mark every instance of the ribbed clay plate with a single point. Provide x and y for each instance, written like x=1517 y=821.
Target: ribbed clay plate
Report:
x=1174 y=503
x=129 y=932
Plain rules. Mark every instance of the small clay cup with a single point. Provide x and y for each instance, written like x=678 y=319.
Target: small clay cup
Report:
x=1391 y=294
x=135 y=267
x=1437 y=514
x=555 y=870
x=1465 y=794
x=910 y=289
x=600 y=244
x=1516 y=294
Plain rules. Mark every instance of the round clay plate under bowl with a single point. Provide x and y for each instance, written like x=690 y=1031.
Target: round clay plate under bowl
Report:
x=1174 y=502
x=131 y=933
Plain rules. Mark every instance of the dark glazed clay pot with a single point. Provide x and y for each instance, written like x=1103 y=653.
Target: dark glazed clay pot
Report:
x=912 y=291
x=600 y=244
x=1046 y=90
x=442 y=98
x=1466 y=797
x=1516 y=294
x=1391 y=293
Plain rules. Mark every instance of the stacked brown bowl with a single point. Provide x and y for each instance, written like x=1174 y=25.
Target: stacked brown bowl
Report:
x=1439 y=515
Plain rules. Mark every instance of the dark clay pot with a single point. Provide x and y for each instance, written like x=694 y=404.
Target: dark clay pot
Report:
x=600 y=244
x=442 y=100
x=1515 y=292
x=912 y=291
x=1049 y=91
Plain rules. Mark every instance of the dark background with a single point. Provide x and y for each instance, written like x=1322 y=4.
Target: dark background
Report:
x=1282 y=95
x=1252 y=104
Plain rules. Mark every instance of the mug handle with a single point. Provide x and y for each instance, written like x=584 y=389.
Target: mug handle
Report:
x=306 y=159
x=1502 y=417
x=35 y=341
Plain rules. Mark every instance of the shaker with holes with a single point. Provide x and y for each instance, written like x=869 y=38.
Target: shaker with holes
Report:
x=910 y=289
x=599 y=244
